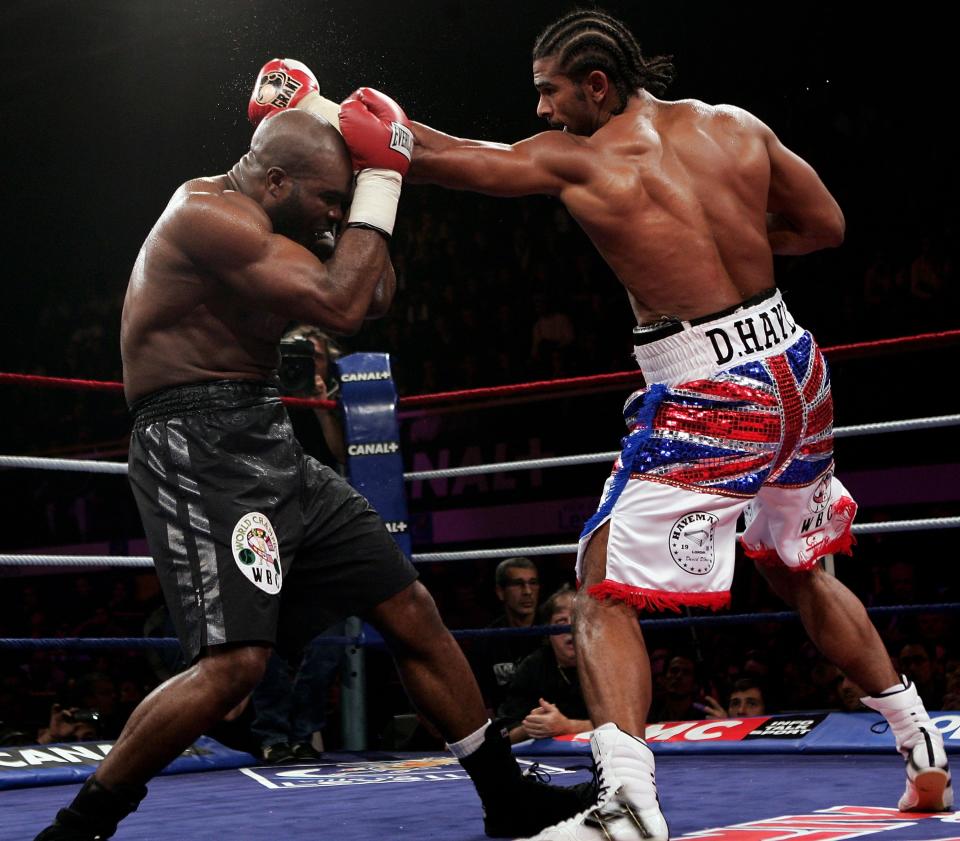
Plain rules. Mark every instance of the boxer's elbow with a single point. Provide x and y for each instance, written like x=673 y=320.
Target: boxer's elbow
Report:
x=379 y=307
x=823 y=231
x=832 y=230
x=346 y=322
x=335 y=313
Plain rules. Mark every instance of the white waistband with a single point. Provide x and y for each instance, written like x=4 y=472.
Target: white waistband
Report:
x=702 y=350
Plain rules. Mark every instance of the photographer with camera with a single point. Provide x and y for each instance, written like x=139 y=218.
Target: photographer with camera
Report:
x=290 y=702
x=69 y=725
x=306 y=353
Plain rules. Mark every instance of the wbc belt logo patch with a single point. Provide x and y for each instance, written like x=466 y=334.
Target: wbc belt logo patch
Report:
x=257 y=552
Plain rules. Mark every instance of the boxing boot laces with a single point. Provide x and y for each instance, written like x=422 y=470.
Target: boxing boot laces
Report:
x=627 y=807
x=517 y=804
x=929 y=787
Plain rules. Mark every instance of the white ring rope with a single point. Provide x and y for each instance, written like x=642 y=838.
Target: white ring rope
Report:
x=427 y=557
x=591 y=458
x=72 y=464
x=88 y=466
x=76 y=561
x=896 y=426
x=571 y=548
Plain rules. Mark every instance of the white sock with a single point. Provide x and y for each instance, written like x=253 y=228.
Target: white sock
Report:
x=468 y=744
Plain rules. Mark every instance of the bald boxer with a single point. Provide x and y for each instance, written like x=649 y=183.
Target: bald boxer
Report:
x=256 y=544
x=688 y=203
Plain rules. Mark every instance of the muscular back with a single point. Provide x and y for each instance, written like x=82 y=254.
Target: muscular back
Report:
x=687 y=202
x=676 y=202
x=181 y=323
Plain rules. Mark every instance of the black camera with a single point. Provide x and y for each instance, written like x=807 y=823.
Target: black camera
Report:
x=297 y=369
x=82 y=716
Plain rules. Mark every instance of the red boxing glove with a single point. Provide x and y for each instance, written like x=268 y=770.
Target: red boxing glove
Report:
x=377 y=131
x=281 y=83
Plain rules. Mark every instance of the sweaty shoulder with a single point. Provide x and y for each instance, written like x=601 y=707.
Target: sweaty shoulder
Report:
x=568 y=156
x=721 y=118
x=214 y=225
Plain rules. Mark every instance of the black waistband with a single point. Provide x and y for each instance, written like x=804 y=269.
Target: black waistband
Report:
x=196 y=397
x=670 y=326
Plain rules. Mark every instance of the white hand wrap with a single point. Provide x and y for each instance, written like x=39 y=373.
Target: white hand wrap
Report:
x=320 y=105
x=375 y=199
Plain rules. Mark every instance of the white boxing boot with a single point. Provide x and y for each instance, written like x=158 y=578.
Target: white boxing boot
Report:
x=929 y=786
x=627 y=808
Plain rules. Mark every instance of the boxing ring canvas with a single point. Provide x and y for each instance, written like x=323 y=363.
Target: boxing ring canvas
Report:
x=747 y=797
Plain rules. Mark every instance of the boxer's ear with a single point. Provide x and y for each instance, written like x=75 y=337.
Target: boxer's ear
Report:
x=596 y=85
x=276 y=178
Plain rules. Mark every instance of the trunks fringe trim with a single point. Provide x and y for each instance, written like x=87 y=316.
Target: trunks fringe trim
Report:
x=657 y=600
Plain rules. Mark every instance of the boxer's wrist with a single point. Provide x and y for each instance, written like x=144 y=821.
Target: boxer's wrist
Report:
x=375 y=200
x=323 y=107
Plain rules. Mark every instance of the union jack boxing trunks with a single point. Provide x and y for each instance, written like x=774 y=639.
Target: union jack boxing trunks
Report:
x=737 y=417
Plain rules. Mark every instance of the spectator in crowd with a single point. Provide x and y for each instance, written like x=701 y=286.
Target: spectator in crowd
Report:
x=682 y=697
x=319 y=430
x=951 y=697
x=544 y=697
x=850 y=694
x=552 y=333
x=97 y=692
x=495 y=659
x=15 y=710
x=928 y=275
x=69 y=725
x=746 y=699
x=916 y=661
x=290 y=707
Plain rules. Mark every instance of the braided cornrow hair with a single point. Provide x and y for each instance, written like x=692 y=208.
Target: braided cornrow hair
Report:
x=587 y=39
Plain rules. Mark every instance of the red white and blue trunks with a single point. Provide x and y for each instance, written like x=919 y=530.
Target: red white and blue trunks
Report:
x=737 y=418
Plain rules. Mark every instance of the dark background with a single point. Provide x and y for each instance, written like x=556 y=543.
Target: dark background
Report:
x=111 y=105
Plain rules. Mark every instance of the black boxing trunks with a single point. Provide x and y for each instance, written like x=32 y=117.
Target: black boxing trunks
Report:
x=253 y=540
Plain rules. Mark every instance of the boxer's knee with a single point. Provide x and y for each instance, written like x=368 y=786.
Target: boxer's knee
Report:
x=796 y=586
x=409 y=619
x=232 y=672
x=589 y=609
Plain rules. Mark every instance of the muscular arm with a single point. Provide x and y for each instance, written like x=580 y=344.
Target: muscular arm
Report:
x=230 y=238
x=383 y=294
x=802 y=216
x=546 y=163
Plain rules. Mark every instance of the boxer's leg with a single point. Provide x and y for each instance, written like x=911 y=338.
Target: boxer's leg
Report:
x=612 y=658
x=441 y=685
x=165 y=723
x=614 y=673
x=432 y=665
x=839 y=626
x=615 y=676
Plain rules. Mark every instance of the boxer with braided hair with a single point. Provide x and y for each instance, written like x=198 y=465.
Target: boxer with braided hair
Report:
x=688 y=203
x=588 y=39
